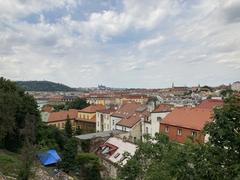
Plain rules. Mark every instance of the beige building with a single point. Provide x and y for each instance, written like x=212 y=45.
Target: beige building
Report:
x=60 y=118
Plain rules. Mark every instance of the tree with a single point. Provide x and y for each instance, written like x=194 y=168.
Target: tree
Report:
x=78 y=103
x=15 y=104
x=224 y=139
x=68 y=128
x=78 y=131
x=89 y=166
x=69 y=154
x=28 y=150
x=58 y=107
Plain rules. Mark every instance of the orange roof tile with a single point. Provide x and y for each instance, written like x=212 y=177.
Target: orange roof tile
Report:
x=126 y=110
x=62 y=115
x=47 y=108
x=134 y=119
x=92 y=108
x=163 y=108
x=210 y=103
x=186 y=117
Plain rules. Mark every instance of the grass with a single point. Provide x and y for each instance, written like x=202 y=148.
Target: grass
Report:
x=9 y=163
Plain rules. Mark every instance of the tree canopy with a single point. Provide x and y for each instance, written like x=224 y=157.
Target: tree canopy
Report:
x=43 y=86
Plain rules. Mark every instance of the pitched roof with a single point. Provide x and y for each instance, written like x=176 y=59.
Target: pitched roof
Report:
x=107 y=111
x=187 y=117
x=134 y=119
x=62 y=115
x=47 y=108
x=126 y=110
x=114 y=148
x=210 y=103
x=92 y=108
x=163 y=108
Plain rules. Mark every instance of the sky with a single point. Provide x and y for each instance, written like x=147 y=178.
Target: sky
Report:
x=121 y=43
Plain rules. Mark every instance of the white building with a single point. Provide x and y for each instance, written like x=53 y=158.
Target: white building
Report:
x=128 y=118
x=235 y=86
x=103 y=120
x=112 y=154
x=152 y=125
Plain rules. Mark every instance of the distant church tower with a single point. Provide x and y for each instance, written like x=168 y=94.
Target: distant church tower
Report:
x=173 y=85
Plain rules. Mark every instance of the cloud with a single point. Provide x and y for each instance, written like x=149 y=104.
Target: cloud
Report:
x=150 y=42
x=129 y=43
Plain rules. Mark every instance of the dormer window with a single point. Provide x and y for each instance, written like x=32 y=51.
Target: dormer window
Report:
x=159 y=118
x=116 y=155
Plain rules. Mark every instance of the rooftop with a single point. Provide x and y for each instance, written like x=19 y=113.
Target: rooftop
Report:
x=92 y=108
x=210 y=103
x=187 y=117
x=163 y=108
x=62 y=115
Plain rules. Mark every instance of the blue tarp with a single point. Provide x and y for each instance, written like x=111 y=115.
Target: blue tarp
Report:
x=49 y=157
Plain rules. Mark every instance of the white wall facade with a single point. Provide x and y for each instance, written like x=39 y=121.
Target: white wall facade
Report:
x=155 y=122
x=114 y=120
x=103 y=122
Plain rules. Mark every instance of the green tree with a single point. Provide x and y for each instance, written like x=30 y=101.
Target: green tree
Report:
x=68 y=128
x=50 y=137
x=78 y=131
x=78 y=103
x=224 y=140
x=89 y=166
x=15 y=104
x=28 y=150
x=69 y=154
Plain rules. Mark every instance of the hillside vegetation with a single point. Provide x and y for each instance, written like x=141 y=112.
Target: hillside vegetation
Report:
x=43 y=86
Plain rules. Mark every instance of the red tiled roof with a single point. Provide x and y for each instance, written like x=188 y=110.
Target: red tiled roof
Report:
x=163 y=108
x=47 y=108
x=92 y=108
x=134 y=119
x=107 y=111
x=126 y=110
x=210 y=103
x=186 y=117
x=62 y=115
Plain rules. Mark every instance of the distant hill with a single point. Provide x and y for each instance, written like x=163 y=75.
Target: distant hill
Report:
x=43 y=86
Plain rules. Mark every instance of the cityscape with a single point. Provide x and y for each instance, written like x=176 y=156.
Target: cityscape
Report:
x=119 y=89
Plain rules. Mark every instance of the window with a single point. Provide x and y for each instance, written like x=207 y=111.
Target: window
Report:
x=134 y=139
x=194 y=133
x=179 y=132
x=159 y=118
x=146 y=130
x=62 y=125
x=166 y=129
x=116 y=155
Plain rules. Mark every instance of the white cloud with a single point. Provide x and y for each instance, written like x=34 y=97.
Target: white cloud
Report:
x=151 y=42
x=145 y=43
x=10 y=9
